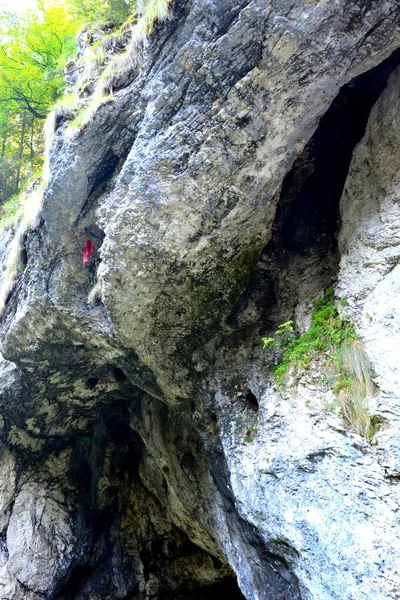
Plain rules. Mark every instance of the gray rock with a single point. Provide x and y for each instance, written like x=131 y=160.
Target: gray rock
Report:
x=39 y=539
x=136 y=463
x=369 y=277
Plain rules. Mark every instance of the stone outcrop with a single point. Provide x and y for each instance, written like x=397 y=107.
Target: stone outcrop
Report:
x=146 y=452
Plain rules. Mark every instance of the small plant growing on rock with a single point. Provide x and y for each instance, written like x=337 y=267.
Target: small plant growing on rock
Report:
x=285 y=333
x=284 y=336
x=328 y=331
x=332 y=340
x=246 y=425
x=268 y=342
x=251 y=434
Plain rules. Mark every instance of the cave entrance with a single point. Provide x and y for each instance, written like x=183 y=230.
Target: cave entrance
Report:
x=128 y=541
x=302 y=256
x=308 y=209
x=227 y=588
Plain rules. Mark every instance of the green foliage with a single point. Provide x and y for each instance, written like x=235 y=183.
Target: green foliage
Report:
x=285 y=333
x=332 y=340
x=34 y=47
x=25 y=219
x=268 y=342
x=328 y=331
x=10 y=210
x=98 y=12
x=284 y=336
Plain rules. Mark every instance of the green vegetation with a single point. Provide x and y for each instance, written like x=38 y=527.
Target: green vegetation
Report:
x=10 y=210
x=109 y=68
x=328 y=333
x=24 y=219
x=332 y=341
x=35 y=45
x=98 y=12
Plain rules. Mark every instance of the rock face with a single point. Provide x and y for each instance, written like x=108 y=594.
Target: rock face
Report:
x=146 y=452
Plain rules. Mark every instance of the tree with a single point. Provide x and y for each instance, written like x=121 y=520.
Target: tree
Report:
x=34 y=47
x=100 y=11
x=33 y=50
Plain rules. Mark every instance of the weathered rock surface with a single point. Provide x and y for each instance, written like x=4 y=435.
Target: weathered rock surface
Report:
x=370 y=236
x=125 y=470
x=369 y=274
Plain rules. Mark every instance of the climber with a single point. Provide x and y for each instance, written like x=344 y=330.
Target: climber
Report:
x=92 y=234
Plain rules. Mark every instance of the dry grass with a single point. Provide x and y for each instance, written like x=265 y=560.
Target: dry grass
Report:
x=355 y=388
x=114 y=43
x=25 y=220
x=95 y=292
x=87 y=115
x=64 y=109
x=114 y=61
x=154 y=11
x=357 y=364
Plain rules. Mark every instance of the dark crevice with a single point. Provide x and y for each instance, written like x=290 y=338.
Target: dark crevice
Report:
x=104 y=171
x=92 y=382
x=230 y=18
x=126 y=539
x=308 y=210
x=119 y=375
x=78 y=574
x=227 y=588
x=23 y=258
x=307 y=220
x=251 y=399
x=108 y=165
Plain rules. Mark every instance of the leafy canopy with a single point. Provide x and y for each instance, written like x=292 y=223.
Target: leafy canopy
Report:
x=34 y=47
x=33 y=51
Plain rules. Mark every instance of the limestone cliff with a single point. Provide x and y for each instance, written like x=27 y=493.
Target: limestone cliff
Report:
x=247 y=163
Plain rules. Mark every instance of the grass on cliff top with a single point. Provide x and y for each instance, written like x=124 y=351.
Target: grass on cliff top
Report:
x=154 y=11
x=332 y=340
x=110 y=69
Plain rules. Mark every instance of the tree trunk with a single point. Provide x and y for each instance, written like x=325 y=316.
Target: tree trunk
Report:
x=20 y=151
x=32 y=150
